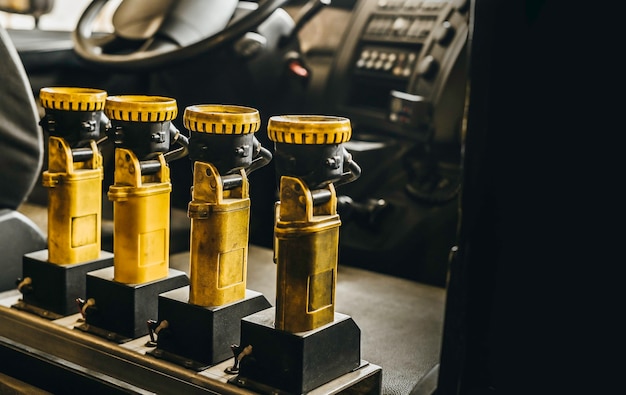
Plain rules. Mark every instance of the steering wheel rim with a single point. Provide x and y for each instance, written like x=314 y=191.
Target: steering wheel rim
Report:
x=90 y=48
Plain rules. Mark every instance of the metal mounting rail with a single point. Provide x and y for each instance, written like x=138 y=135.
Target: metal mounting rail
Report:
x=126 y=366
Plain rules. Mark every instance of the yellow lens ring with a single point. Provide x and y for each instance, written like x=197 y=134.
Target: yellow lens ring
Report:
x=309 y=129
x=72 y=98
x=139 y=108
x=221 y=119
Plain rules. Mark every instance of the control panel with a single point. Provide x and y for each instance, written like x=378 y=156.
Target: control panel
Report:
x=400 y=49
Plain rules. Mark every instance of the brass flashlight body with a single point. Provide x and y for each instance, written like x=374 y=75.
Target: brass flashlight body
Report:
x=219 y=238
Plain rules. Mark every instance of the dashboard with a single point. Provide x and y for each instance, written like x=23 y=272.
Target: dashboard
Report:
x=399 y=66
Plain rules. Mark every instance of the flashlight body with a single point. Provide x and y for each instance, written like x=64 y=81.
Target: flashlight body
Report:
x=306 y=254
x=219 y=238
x=75 y=203
x=141 y=216
x=224 y=150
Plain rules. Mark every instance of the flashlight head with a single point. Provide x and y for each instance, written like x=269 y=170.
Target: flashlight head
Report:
x=222 y=135
x=141 y=123
x=310 y=147
x=72 y=113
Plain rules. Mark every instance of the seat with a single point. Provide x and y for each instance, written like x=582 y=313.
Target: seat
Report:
x=21 y=140
x=21 y=158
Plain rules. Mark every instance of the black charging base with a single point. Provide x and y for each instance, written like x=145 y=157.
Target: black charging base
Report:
x=54 y=288
x=121 y=311
x=296 y=363
x=197 y=337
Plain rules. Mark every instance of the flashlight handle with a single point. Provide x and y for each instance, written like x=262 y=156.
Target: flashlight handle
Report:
x=262 y=158
x=105 y=124
x=354 y=170
x=181 y=140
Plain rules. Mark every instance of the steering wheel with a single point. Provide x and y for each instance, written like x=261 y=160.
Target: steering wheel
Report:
x=151 y=34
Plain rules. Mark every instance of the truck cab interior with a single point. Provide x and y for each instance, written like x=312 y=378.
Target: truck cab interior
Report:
x=440 y=233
